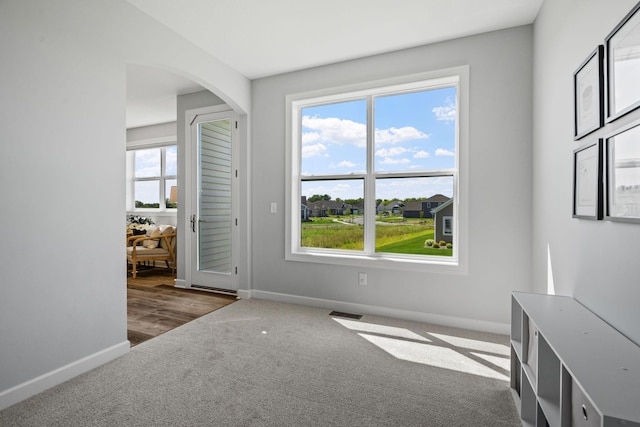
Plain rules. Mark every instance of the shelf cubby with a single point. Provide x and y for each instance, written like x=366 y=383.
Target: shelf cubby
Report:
x=569 y=368
x=549 y=374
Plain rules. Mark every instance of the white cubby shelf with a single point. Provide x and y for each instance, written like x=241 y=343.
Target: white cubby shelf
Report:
x=569 y=368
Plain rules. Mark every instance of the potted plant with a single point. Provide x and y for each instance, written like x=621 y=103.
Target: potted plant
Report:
x=138 y=224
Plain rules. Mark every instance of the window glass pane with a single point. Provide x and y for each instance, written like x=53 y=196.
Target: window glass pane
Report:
x=171 y=161
x=147 y=163
x=415 y=131
x=147 y=194
x=171 y=193
x=332 y=214
x=408 y=211
x=334 y=138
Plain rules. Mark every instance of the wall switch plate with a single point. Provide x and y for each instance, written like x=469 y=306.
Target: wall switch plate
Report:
x=362 y=279
x=274 y=207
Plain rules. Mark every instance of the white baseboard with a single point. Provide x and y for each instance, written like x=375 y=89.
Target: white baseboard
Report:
x=416 y=316
x=181 y=283
x=244 y=294
x=58 y=376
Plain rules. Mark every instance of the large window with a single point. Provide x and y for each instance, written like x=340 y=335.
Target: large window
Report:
x=369 y=168
x=153 y=178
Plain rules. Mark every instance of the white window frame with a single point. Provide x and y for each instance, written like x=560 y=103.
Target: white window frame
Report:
x=161 y=143
x=456 y=264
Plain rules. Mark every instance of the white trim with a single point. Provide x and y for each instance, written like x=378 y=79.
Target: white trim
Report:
x=245 y=294
x=416 y=316
x=152 y=142
x=58 y=376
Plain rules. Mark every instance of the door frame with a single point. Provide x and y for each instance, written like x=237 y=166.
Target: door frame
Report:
x=190 y=187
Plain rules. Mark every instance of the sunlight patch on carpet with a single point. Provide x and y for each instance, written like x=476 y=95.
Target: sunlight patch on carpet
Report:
x=484 y=346
x=477 y=357
x=391 y=331
x=500 y=362
x=426 y=354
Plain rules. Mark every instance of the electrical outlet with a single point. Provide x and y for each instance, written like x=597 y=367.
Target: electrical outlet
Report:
x=274 y=207
x=362 y=278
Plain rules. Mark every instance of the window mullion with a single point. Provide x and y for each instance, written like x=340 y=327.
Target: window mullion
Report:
x=163 y=165
x=369 y=184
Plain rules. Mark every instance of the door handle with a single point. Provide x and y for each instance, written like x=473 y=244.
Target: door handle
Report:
x=193 y=223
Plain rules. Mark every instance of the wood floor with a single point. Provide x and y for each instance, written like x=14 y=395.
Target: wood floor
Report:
x=154 y=306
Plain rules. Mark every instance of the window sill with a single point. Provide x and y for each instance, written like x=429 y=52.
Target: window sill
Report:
x=386 y=261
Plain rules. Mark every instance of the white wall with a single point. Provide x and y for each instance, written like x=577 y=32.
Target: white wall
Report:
x=593 y=261
x=500 y=187
x=62 y=154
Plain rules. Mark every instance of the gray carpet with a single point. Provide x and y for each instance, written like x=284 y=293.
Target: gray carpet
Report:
x=260 y=363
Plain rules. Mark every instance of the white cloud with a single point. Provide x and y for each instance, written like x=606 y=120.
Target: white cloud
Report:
x=338 y=131
x=390 y=152
x=313 y=150
x=444 y=152
x=390 y=161
x=396 y=135
x=343 y=164
x=421 y=155
x=308 y=137
x=445 y=112
x=343 y=131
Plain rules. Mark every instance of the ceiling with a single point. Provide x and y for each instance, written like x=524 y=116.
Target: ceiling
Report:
x=260 y=38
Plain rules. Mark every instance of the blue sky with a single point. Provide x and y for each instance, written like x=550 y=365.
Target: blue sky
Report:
x=414 y=131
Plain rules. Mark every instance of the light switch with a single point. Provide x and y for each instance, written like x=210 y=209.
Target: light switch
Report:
x=274 y=207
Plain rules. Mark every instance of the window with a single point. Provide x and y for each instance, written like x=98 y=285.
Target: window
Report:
x=368 y=166
x=447 y=226
x=153 y=177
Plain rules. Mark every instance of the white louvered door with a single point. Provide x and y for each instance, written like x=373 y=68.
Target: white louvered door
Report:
x=213 y=221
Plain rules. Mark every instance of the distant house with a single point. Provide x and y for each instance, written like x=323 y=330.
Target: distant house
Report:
x=422 y=209
x=394 y=207
x=316 y=210
x=336 y=208
x=322 y=208
x=304 y=209
x=416 y=210
x=357 y=208
x=443 y=222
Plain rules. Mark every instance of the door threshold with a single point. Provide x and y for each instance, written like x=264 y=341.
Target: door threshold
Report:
x=214 y=290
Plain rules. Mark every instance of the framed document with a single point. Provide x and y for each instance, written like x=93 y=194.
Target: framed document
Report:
x=587 y=181
x=623 y=174
x=588 y=89
x=623 y=66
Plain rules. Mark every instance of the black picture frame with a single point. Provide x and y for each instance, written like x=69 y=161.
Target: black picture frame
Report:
x=588 y=183
x=623 y=173
x=622 y=49
x=588 y=94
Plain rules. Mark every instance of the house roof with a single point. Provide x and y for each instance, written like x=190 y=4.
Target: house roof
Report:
x=437 y=198
x=413 y=206
x=442 y=206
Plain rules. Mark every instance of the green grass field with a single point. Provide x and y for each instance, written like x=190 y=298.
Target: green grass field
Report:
x=407 y=238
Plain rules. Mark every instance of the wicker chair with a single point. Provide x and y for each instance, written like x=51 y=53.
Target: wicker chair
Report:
x=159 y=244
